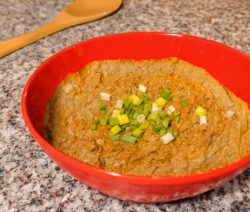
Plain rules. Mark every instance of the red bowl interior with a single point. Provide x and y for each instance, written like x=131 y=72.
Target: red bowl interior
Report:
x=229 y=66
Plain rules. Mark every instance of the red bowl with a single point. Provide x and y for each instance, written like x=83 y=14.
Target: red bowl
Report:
x=227 y=65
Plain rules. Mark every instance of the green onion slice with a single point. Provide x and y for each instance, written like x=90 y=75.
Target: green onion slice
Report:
x=201 y=111
x=158 y=127
x=162 y=132
x=177 y=119
x=129 y=138
x=104 y=120
x=144 y=96
x=137 y=100
x=103 y=106
x=170 y=130
x=163 y=114
x=113 y=121
x=166 y=122
x=114 y=138
x=165 y=94
x=147 y=108
x=144 y=125
x=138 y=132
x=184 y=102
x=94 y=126
x=114 y=130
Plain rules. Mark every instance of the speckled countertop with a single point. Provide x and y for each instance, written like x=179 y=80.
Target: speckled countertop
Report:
x=29 y=179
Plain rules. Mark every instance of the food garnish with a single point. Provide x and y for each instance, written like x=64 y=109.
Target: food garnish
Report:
x=133 y=114
x=105 y=96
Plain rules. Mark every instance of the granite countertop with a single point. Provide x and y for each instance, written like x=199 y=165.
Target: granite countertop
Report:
x=29 y=179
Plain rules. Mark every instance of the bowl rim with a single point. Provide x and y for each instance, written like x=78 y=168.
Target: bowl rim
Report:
x=136 y=179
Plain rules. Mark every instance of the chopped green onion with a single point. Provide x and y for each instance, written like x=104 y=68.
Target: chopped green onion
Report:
x=123 y=119
x=165 y=90
x=163 y=114
x=170 y=130
x=147 y=108
x=96 y=122
x=115 y=113
x=129 y=129
x=132 y=115
x=158 y=127
x=184 y=102
x=152 y=122
x=124 y=126
x=114 y=138
x=131 y=97
x=113 y=121
x=94 y=126
x=103 y=106
x=114 y=130
x=176 y=113
x=133 y=122
x=139 y=109
x=137 y=100
x=201 y=111
x=177 y=119
x=134 y=108
x=137 y=132
x=175 y=134
x=104 y=120
x=161 y=102
x=162 y=132
x=144 y=125
x=135 y=113
x=144 y=96
x=129 y=138
x=166 y=122
x=127 y=106
x=155 y=116
x=165 y=94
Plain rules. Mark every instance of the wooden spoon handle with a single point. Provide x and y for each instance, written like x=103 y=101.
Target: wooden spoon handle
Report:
x=16 y=43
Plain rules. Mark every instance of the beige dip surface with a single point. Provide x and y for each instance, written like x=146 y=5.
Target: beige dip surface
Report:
x=199 y=147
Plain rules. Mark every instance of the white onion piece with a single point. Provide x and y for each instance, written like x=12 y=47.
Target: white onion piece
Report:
x=142 y=88
x=140 y=118
x=155 y=107
x=68 y=88
x=119 y=103
x=168 y=137
x=115 y=113
x=170 y=109
x=105 y=96
x=203 y=120
x=229 y=114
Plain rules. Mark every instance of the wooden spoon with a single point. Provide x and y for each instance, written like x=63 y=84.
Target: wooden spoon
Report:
x=78 y=12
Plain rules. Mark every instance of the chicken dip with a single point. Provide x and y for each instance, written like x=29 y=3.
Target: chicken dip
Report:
x=149 y=117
